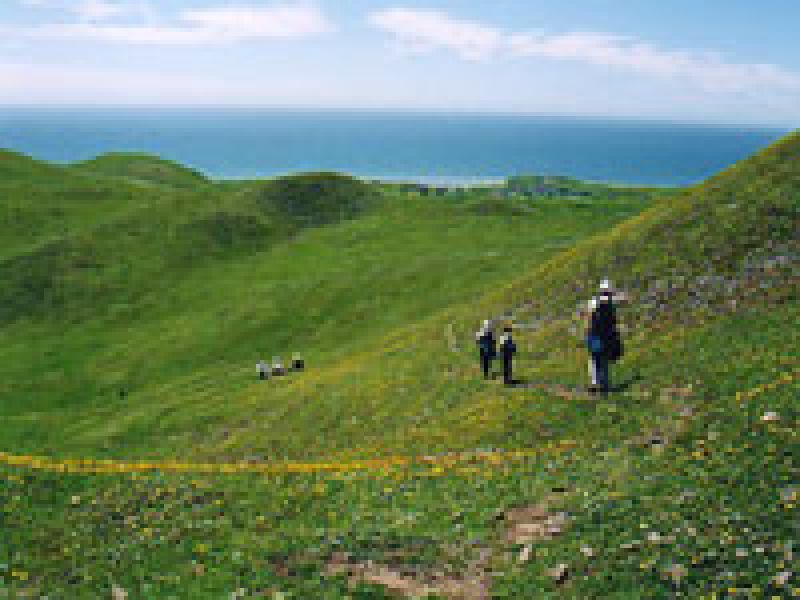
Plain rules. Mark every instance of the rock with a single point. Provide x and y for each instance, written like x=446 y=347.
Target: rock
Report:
x=770 y=417
x=654 y=537
x=782 y=578
x=632 y=545
x=117 y=593
x=525 y=554
x=676 y=572
x=559 y=573
x=587 y=551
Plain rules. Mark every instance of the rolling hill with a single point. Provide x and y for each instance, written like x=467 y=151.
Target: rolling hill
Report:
x=682 y=483
x=141 y=168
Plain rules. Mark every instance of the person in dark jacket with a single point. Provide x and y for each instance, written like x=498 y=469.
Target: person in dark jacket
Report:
x=507 y=350
x=602 y=336
x=487 y=347
x=298 y=364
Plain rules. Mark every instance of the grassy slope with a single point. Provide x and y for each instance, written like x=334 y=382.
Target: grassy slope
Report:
x=172 y=300
x=721 y=485
x=142 y=168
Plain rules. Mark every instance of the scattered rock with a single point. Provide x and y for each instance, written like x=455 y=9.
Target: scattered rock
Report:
x=409 y=584
x=654 y=537
x=676 y=392
x=632 y=545
x=790 y=494
x=587 y=551
x=770 y=417
x=525 y=554
x=532 y=524
x=559 y=573
x=117 y=593
x=782 y=578
x=676 y=572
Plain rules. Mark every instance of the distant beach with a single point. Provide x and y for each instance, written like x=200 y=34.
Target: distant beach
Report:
x=436 y=149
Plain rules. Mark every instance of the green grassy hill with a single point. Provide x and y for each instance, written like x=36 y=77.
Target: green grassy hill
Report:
x=143 y=168
x=673 y=486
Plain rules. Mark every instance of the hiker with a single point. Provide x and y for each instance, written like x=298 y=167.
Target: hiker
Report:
x=602 y=336
x=277 y=367
x=487 y=347
x=298 y=364
x=261 y=369
x=507 y=350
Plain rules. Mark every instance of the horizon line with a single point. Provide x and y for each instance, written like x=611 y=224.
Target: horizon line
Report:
x=402 y=111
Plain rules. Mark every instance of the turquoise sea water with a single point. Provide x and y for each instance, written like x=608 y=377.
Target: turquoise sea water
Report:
x=256 y=143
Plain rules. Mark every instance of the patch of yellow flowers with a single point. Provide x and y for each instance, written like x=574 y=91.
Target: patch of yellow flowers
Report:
x=436 y=464
x=784 y=379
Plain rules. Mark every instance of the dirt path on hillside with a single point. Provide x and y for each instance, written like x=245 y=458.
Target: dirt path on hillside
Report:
x=520 y=526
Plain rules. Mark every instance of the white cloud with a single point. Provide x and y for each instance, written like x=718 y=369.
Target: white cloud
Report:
x=422 y=30
x=705 y=69
x=279 y=21
x=102 y=10
x=91 y=10
x=425 y=30
x=215 y=25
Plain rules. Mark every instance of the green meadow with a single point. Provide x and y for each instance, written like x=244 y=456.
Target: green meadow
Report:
x=137 y=296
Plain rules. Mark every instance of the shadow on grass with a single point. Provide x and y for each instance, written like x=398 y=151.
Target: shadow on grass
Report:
x=523 y=383
x=627 y=384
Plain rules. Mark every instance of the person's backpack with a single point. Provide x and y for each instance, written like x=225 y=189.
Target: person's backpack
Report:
x=604 y=321
x=486 y=344
x=615 y=348
x=594 y=344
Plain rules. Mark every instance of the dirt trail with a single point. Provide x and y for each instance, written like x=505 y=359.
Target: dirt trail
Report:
x=526 y=525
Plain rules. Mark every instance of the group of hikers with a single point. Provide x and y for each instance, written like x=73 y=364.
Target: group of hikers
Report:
x=603 y=341
x=277 y=368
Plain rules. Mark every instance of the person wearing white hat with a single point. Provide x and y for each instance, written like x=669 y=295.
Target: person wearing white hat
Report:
x=487 y=347
x=261 y=369
x=602 y=336
x=277 y=367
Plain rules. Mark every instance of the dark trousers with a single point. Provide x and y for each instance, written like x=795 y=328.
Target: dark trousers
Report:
x=486 y=364
x=599 y=370
x=507 y=370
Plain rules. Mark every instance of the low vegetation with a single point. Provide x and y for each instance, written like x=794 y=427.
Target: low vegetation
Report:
x=682 y=483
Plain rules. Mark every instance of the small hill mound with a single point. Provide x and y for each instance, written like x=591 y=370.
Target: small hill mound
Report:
x=18 y=165
x=311 y=199
x=142 y=167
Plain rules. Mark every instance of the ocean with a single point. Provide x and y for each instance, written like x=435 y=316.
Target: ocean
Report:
x=250 y=143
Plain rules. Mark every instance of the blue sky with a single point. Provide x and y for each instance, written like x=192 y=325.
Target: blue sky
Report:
x=732 y=61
